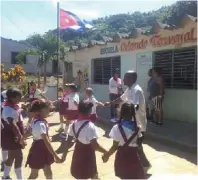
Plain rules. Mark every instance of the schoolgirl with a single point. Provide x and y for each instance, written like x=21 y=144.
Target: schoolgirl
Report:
x=41 y=154
x=12 y=134
x=125 y=135
x=92 y=99
x=63 y=105
x=83 y=164
x=4 y=152
x=72 y=110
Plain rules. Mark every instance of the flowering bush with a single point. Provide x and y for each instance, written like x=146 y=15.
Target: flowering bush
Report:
x=15 y=74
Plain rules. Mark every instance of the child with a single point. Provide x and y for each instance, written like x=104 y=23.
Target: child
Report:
x=92 y=99
x=4 y=152
x=12 y=134
x=83 y=164
x=72 y=110
x=125 y=134
x=63 y=105
x=41 y=144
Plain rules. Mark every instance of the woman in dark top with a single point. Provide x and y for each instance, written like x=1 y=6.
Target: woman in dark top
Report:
x=157 y=95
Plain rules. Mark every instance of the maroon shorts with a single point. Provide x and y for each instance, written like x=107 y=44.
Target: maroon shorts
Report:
x=39 y=156
x=72 y=114
x=9 y=141
x=63 y=108
x=83 y=164
x=93 y=117
x=127 y=163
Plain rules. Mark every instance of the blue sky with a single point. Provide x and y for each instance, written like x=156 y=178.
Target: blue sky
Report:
x=20 y=19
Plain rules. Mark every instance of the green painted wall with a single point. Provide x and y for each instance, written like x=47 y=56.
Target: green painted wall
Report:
x=180 y=105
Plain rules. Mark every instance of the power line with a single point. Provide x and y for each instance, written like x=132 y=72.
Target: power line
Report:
x=10 y=19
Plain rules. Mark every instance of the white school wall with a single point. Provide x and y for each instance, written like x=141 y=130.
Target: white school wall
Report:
x=175 y=99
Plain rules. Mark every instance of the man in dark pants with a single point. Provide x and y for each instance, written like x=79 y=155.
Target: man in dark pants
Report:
x=134 y=94
x=115 y=91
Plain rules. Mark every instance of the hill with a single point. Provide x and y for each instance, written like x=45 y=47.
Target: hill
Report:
x=125 y=24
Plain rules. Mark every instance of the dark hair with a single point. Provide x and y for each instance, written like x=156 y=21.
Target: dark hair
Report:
x=60 y=89
x=127 y=112
x=116 y=71
x=150 y=70
x=38 y=105
x=32 y=83
x=157 y=70
x=85 y=107
x=12 y=93
x=73 y=87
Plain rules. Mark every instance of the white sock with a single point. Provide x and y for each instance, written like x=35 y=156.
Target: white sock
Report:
x=66 y=129
x=61 y=126
x=6 y=172
x=4 y=155
x=18 y=173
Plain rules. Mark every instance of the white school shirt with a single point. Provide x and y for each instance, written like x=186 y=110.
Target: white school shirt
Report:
x=71 y=98
x=113 y=85
x=94 y=101
x=135 y=95
x=88 y=133
x=116 y=135
x=3 y=93
x=10 y=112
x=38 y=129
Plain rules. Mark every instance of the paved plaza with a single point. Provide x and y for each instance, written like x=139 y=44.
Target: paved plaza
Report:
x=165 y=160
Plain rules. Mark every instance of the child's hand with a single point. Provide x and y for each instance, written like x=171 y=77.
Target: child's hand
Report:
x=63 y=159
x=57 y=159
x=105 y=158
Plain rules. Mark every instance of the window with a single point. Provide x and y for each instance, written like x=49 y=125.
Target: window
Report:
x=14 y=60
x=179 y=67
x=102 y=69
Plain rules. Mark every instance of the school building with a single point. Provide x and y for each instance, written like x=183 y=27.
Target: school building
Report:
x=174 y=49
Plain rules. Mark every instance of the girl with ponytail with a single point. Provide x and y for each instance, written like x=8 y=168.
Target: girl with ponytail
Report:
x=125 y=135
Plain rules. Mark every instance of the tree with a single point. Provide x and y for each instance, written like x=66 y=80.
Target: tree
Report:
x=44 y=46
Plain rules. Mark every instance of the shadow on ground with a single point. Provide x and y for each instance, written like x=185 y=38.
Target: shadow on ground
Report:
x=157 y=145
x=172 y=150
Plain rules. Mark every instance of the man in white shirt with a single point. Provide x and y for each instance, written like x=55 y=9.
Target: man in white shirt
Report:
x=115 y=91
x=135 y=95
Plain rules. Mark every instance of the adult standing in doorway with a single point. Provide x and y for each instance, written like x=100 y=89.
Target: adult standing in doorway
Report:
x=157 y=95
x=149 y=107
x=115 y=91
x=135 y=95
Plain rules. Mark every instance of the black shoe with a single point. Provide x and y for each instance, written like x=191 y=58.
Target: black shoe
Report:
x=8 y=177
x=159 y=123
x=2 y=167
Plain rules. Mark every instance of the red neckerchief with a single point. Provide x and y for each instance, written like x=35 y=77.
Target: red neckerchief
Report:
x=82 y=117
x=14 y=106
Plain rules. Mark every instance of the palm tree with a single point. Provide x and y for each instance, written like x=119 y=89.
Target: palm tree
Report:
x=44 y=46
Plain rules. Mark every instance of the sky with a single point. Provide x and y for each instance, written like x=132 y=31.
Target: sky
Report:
x=19 y=19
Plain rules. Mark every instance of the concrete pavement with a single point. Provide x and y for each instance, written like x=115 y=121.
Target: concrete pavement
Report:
x=164 y=159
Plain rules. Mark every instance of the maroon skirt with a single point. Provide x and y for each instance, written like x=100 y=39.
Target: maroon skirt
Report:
x=9 y=140
x=83 y=164
x=63 y=108
x=93 y=117
x=72 y=114
x=127 y=163
x=39 y=156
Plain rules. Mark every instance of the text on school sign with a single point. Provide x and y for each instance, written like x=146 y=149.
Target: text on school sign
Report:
x=109 y=50
x=160 y=41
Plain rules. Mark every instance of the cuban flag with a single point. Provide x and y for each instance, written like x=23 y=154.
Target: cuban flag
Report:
x=69 y=20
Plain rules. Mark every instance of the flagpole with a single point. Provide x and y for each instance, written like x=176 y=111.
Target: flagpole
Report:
x=58 y=43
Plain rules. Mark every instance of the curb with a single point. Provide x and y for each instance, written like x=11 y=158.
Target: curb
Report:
x=161 y=139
